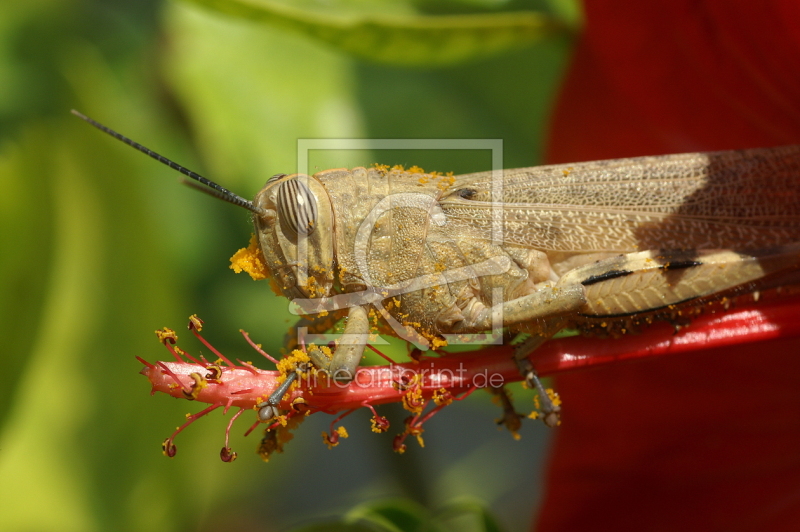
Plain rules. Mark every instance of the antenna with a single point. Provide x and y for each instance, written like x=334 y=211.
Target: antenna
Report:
x=217 y=191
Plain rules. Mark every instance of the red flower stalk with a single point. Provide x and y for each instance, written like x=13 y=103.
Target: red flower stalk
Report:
x=438 y=380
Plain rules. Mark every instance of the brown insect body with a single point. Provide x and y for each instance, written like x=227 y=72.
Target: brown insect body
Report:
x=575 y=242
x=533 y=248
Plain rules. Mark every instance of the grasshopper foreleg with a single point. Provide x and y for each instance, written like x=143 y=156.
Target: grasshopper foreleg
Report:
x=269 y=409
x=342 y=367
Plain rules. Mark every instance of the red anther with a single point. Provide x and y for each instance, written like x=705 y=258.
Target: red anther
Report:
x=166 y=335
x=402 y=384
x=414 y=428
x=414 y=402
x=413 y=398
x=332 y=439
x=442 y=397
x=397 y=444
x=195 y=323
x=197 y=386
x=226 y=455
x=300 y=406
x=168 y=448
x=380 y=424
x=214 y=373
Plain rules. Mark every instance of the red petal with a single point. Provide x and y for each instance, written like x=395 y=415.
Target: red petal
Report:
x=711 y=440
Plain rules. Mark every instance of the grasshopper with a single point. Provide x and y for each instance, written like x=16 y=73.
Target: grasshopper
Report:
x=534 y=250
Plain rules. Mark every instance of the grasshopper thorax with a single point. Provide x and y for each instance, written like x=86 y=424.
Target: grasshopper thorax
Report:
x=295 y=233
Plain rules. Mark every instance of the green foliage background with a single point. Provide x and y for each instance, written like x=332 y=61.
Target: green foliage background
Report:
x=99 y=245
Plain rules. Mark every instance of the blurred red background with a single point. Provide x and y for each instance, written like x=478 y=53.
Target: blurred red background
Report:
x=708 y=440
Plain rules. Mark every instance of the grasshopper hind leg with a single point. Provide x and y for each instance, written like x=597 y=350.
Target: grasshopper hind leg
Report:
x=548 y=308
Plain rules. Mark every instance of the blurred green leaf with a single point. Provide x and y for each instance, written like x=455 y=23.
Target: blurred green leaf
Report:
x=404 y=515
x=469 y=509
x=338 y=527
x=101 y=246
x=396 y=515
x=396 y=33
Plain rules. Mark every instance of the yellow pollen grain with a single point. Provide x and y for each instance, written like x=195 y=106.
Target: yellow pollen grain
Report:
x=554 y=397
x=250 y=260
x=437 y=342
x=442 y=397
x=165 y=333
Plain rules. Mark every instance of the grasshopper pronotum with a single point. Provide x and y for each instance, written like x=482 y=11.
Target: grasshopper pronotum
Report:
x=536 y=250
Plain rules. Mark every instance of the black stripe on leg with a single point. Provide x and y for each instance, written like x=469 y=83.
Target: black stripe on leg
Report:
x=681 y=264
x=606 y=276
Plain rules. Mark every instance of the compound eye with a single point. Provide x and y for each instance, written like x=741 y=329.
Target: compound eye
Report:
x=297 y=207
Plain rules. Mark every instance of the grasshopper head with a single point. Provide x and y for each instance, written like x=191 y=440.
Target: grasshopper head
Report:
x=295 y=232
x=293 y=219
